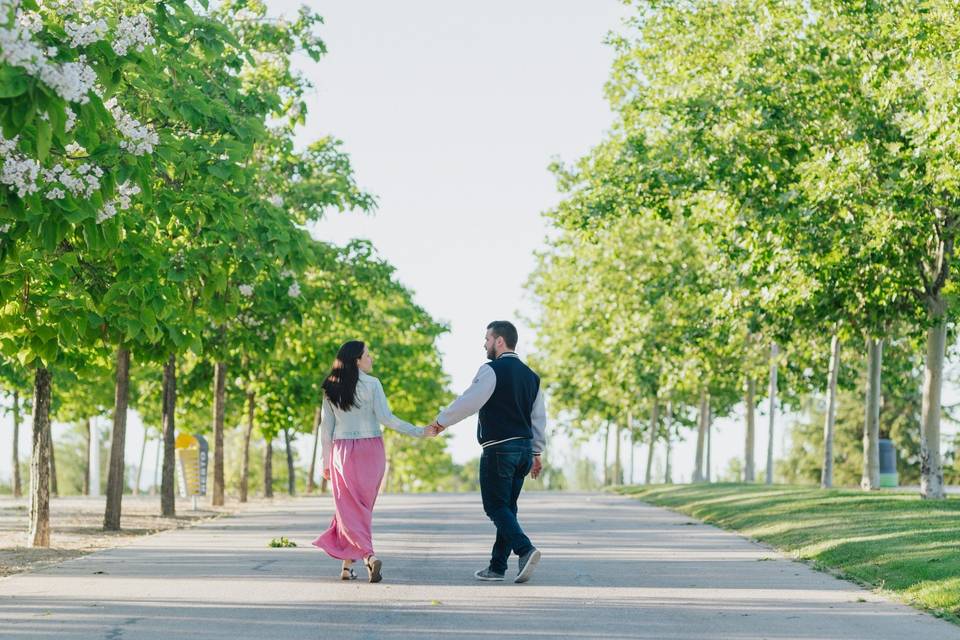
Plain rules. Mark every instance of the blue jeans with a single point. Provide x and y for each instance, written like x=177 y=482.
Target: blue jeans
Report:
x=502 y=470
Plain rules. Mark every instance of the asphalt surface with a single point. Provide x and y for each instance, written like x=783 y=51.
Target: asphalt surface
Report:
x=612 y=568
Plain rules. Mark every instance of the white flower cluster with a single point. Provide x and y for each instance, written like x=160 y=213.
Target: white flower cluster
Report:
x=125 y=193
x=7 y=146
x=63 y=7
x=81 y=183
x=132 y=31
x=246 y=290
x=139 y=139
x=83 y=34
x=72 y=81
x=5 y=227
x=248 y=320
x=294 y=290
x=18 y=171
x=71 y=120
x=29 y=21
x=276 y=201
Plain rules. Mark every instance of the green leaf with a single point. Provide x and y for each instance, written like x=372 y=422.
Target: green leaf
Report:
x=13 y=82
x=44 y=138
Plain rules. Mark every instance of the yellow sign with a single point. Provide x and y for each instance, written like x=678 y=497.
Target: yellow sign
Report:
x=191 y=452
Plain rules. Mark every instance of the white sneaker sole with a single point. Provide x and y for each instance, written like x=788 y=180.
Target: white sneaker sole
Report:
x=482 y=579
x=524 y=575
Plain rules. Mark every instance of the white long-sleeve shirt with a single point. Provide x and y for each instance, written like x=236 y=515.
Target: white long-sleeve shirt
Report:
x=477 y=395
x=363 y=420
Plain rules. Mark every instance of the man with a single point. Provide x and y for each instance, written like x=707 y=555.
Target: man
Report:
x=511 y=429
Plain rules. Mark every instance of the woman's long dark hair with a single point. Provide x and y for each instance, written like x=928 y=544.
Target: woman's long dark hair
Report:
x=341 y=384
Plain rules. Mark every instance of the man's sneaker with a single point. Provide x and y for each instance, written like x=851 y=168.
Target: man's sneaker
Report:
x=528 y=563
x=488 y=576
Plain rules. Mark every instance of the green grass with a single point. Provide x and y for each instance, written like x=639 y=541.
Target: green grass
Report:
x=896 y=542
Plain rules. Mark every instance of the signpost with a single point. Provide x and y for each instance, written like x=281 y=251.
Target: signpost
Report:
x=191 y=452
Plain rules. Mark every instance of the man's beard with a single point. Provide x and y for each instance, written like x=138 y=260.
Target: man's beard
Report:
x=491 y=354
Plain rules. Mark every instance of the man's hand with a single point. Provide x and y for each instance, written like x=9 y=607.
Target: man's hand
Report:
x=430 y=431
x=537 y=468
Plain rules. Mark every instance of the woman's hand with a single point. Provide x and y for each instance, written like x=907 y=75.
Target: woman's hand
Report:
x=326 y=474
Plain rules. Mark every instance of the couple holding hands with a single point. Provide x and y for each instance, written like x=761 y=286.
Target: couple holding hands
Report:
x=511 y=429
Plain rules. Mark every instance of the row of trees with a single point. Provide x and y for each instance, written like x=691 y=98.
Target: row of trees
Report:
x=153 y=215
x=780 y=188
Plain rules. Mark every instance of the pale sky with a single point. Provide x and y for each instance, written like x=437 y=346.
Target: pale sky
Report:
x=451 y=111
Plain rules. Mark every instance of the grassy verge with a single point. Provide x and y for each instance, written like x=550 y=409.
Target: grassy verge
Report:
x=895 y=542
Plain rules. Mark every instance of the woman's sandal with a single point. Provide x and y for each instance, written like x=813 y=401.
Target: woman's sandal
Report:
x=347 y=573
x=373 y=568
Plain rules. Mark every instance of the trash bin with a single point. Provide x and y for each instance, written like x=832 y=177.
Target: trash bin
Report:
x=888 y=463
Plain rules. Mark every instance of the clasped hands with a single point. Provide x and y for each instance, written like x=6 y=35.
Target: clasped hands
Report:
x=433 y=429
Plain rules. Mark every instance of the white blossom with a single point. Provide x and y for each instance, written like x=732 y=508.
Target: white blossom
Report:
x=139 y=139
x=8 y=146
x=5 y=227
x=85 y=33
x=56 y=194
x=132 y=31
x=107 y=211
x=63 y=8
x=71 y=119
x=20 y=173
x=74 y=149
x=121 y=202
x=29 y=21
x=276 y=201
x=246 y=290
x=294 y=290
x=72 y=81
x=287 y=273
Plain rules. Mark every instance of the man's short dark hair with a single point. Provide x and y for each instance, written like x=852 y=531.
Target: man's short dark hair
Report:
x=505 y=330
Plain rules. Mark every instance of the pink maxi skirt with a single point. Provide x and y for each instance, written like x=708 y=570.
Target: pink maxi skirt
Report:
x=356 y=471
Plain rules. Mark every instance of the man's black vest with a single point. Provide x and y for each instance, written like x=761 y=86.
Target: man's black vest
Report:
x=507 y=413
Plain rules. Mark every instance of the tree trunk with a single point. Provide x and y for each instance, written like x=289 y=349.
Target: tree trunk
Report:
x=709 y=465
x=830 y=419
x=156 y=466
x=39 y=533
x=606 y=454
x=268 y=468
x=17 y=487
x=168 y=477
x=245 y=460
x=749 y=462
x=291 y=477
x=143 y=455
x=668 y=472
x=871 y=424
x=115 y=475
x=654 y=426
x=931 y=467
x=311 y=483
x=86 y=461
x=53 y=464
x=219 y=402
x=701 y=434
x=774 y=352
x=633 y=447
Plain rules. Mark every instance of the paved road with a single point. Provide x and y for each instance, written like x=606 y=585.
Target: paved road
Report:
x=612 y=568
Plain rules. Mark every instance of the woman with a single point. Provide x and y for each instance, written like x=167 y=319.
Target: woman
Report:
x=354 y=407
